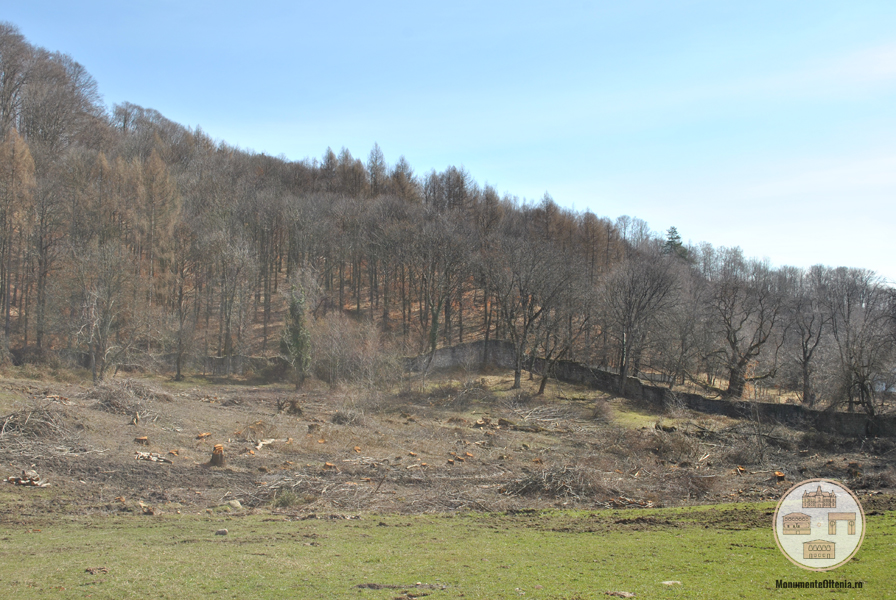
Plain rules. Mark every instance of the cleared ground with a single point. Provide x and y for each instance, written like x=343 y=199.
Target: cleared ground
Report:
x=458 y=483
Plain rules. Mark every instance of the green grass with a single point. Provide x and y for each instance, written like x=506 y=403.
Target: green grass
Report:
x=633 y=418
x=568 y=554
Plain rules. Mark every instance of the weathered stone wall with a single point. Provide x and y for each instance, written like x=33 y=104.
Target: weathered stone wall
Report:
x=223 y=366
x=501 y=354
x=471 y=355
x=240 y=365
x=847 y=424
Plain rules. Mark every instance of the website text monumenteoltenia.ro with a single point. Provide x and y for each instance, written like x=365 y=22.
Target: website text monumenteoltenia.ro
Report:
x=819 y=584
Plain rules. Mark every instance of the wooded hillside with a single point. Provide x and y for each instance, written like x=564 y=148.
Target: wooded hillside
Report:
x=125 y=236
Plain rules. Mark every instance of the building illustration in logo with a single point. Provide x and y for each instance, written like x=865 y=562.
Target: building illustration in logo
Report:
x=850 y=519
x=797 y=524
x=819 y=499
x=818 y=549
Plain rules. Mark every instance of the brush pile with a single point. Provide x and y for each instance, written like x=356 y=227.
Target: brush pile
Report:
x=40 y=421
x=125 y=397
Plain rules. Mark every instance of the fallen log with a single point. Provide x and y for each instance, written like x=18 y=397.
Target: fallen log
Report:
x=151 y=456
x=261 y=444
x=29 y=477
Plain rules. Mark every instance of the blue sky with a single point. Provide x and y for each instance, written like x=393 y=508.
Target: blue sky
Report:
x=769 y=125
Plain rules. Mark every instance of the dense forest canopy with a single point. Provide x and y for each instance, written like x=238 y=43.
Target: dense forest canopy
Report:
x=128 y=238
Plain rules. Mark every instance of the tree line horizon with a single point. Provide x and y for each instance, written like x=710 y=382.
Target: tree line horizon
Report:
x=124 y=236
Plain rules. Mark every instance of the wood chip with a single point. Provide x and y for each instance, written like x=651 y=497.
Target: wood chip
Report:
x=268 y=441
x=151 y=456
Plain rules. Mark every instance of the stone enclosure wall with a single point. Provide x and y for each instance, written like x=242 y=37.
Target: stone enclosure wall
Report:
x=501 y=354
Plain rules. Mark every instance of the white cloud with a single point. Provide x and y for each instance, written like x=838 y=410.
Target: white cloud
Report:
x=831 y=179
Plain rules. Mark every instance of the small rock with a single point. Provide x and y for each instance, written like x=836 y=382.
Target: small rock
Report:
x=221 y=532
x=235 y=504
x=671 y=582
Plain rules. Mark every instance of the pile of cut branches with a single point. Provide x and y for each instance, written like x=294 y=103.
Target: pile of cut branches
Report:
x=125 y=397
x=40 y=421
x=558 y=482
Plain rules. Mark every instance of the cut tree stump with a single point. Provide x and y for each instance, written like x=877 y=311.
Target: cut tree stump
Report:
x=217 y=456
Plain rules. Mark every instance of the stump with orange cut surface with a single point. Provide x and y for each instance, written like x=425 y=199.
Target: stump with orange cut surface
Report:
x=217 y=456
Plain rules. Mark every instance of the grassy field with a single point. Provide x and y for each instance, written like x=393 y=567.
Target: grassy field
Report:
x=714 y=552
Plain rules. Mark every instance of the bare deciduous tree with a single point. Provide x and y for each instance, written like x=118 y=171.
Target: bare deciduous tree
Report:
x=527 y=279
x=747 y=303
x=808 y=324
x=15 y=65
x=633 y=299
x=106 y=315
x=860 y=312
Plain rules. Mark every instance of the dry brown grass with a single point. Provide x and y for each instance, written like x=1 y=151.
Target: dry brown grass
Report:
x=457 y=443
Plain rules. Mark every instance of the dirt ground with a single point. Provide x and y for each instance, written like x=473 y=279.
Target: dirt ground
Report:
x=452 y=443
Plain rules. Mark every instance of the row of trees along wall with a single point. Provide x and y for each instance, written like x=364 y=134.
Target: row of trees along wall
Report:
x=123 y=234
x=501 y=354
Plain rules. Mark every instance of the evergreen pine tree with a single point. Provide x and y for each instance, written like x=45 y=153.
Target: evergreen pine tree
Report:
x=295 y=341
x=673 y=244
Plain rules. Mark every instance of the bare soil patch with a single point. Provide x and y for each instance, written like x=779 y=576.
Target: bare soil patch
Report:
x=456 y=445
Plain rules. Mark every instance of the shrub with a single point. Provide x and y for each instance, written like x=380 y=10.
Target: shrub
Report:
x=348 y=416
x=286 y=499
x=348 y=351
x=675 y=446
x=602 y=411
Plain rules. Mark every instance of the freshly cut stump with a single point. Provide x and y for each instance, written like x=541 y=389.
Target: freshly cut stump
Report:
x=217 y=456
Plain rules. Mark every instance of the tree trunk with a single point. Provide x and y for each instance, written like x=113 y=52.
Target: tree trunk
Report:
x=808 y=397
x=518 y=368
x=543 y=384
x=623 y=365
x=178 y=376
x=486 y=305
x=737 y=382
